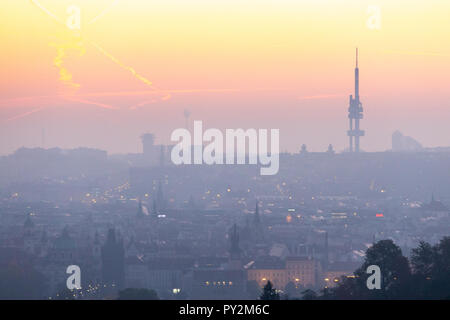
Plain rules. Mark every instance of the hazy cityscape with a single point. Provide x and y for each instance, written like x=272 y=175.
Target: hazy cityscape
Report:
x=211 y=232
x=227 y=215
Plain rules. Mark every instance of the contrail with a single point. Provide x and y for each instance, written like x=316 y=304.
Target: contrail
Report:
x=25 y=114
x=79 y=97
x=101 y=14
x=5 y=102
x=143 y=103
x=131 y=70
x=48 y=12
x=73 y=99
x=66 y=77
x=117 y=61
x=98 y=104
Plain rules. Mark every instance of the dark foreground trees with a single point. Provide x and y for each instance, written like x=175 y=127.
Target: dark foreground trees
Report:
x=431 y=270
x=18 y=277
x=425 y=276
x=269 y=293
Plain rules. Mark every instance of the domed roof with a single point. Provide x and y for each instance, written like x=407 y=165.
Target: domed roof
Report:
x=65 y=241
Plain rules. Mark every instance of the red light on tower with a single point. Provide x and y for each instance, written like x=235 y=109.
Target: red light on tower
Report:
x=379 y=215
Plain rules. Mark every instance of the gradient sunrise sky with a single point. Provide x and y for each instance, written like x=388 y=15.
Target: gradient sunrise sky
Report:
x=136 y=65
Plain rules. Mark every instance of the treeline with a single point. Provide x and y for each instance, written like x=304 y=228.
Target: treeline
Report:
x=426 y=275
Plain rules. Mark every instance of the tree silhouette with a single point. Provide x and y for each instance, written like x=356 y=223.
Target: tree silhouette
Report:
x=269 y=293
x=428 y=277
x=395 y=276
x=309 y=294
x=431 y=267
x=18 y=277
x=440 y=276
x=395 y=271
x=422 y=259
x=291 y=290
x=253 y=289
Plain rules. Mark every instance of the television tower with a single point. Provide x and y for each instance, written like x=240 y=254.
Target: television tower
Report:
x=355 y=113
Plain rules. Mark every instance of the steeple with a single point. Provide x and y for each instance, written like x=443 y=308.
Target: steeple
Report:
x=160 y=197
x=235 y=251
x=326 y=258
x=96 y=248
x=28 y=224
x=140 y=212
x=96 y=238
x=113 y=260
x=111 y=239
x=234 y=241
x=155 y=209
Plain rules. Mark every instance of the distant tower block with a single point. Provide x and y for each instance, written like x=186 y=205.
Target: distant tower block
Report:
x=355 y=113
x=148 y=144
x=330 y=149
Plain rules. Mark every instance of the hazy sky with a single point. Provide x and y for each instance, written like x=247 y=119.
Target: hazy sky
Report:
x=136 y=65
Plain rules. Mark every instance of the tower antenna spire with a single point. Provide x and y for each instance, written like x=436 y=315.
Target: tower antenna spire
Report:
x=355 y=114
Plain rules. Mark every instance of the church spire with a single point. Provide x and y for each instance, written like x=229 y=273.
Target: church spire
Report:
x=235 y=251
x=160 y=197
x=326 y=258
x=96 y=238
x=140 y=212
x=257 y=220
x=155 y=209
x=234 y=241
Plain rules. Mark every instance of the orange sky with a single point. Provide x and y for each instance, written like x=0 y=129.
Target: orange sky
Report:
x=269 y=64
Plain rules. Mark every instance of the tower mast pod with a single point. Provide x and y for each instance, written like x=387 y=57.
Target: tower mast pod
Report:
x=355 y=113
